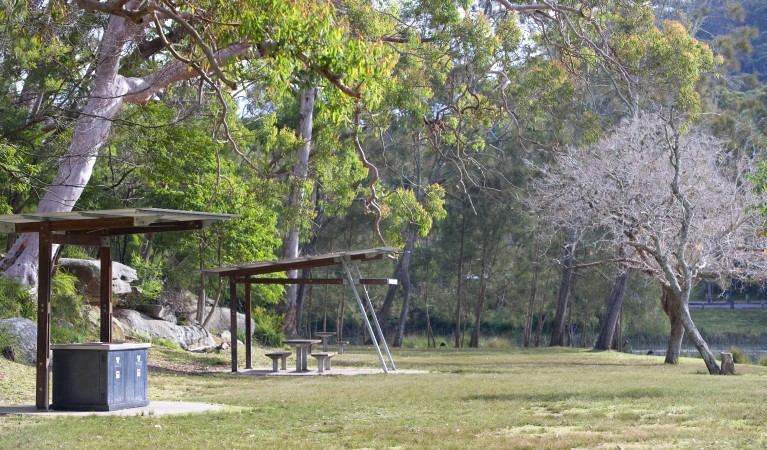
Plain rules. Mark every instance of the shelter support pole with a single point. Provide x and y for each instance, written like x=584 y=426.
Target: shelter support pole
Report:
x=346 y=262
x=105 y=294
x=373 y=315
x=248 y=327
x=43 y=366
x=233 y=320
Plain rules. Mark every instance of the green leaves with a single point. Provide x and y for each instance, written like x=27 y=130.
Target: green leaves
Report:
x=316 y=45
x=678 y=61
x=401 y=210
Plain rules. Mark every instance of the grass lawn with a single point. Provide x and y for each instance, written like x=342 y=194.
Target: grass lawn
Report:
x=741 y=322
x=488 y=398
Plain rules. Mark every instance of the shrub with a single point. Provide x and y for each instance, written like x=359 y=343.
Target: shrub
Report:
x=167 y=343
x=268 y=330
x=69 y=324
x=419 y=341
x=414 y=341
x=739 y=356
x=497 y=342
x=16 y=300
x=5 y=339
x=66 y=333
x=66 y=301
x=150 y=280
x=763 y=361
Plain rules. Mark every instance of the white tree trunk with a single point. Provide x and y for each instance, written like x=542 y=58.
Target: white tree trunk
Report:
x=300 y=171
x=110 y=91
x=90 y=133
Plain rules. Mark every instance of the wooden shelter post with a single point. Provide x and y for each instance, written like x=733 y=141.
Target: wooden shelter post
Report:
x=248 y=327
x=233 y=320
x=105 y=294
x=90 y=228
x=43 y=317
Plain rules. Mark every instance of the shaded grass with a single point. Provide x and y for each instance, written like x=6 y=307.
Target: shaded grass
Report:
x=490 y=398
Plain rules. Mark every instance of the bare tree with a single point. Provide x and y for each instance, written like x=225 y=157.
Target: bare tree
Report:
x=671 y=198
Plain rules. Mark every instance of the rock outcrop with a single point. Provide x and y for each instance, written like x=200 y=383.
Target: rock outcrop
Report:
x=88 y=273
x=23 y=336
x=189 y=337
x=220 y=321
x=158 y=312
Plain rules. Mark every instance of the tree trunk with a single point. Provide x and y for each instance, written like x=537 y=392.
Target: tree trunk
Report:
x=533 y=293
x=400 y=273
x=201 y=297
x=696 y=338
x=400 y=336
x=300 y=172
x=617 y=343
x=612 y=313
x=558 y=334
x=670 y=306
x=457 y=317
x=340 y=316
x=476 y=332
x=301 y=294
x=542 y=312
x=430 y=341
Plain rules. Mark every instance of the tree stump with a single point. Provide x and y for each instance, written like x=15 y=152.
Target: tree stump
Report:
x=728 y=365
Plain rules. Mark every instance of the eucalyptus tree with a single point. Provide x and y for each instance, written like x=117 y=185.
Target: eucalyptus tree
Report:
x=164 y=154
x=520 y=65
x=468 y=75
x=42 y=48
x=211 y=42
x=671 y=201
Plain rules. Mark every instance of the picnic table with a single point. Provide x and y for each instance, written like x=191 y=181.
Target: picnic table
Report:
x=303 y=347
x=324 y=335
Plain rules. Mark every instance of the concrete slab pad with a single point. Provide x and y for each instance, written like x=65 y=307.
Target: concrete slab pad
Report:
x=154 y=408
x=334 y=371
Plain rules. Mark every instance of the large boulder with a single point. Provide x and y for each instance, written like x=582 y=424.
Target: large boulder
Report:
x=158 y=312
x=88 y=273
x=23 y=337
x=221 y=320
x=189 y=337
x=92 y=316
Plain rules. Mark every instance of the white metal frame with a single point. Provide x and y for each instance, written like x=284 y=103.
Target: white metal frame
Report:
x=348 y=264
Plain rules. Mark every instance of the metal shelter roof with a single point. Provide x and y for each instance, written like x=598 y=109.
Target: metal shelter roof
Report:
x=89 y=228
x=305 y=262
x=350 y=260
x=111 y=222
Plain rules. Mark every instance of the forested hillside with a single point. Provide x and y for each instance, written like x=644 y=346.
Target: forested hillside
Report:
x=458 y=131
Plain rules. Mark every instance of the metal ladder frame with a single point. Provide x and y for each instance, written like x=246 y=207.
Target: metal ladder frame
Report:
x=348 y=264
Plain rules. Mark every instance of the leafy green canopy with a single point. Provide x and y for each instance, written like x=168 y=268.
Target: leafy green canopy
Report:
x=157 y=159
x=41 y=50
